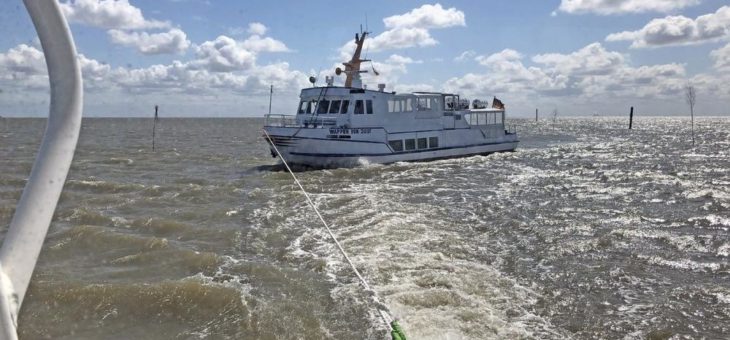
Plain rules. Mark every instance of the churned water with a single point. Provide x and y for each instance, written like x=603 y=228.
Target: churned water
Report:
x=587 y=231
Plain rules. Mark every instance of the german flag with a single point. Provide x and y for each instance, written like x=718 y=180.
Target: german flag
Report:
x=497 y=104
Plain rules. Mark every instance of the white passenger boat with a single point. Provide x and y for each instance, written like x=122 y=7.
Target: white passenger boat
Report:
x=350 y=125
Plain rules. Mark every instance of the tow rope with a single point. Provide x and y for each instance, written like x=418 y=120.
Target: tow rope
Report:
x=396 y=332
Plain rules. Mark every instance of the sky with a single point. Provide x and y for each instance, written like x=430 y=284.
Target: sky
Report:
x=209 y=58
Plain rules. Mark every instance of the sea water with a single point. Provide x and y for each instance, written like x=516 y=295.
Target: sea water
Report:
x=588 y=230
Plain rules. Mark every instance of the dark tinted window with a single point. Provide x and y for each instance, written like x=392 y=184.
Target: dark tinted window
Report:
x=422 y=143
x=433 y=142
x=410 y=144
x=397 y=145
x=335 y=107
x=358 y=107
x=369 y=107
x=345 y=106
x=323 y=105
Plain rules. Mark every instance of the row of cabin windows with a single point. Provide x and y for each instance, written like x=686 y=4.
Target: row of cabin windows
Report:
x=334 y=106
x=413 y=144
x=411 y=104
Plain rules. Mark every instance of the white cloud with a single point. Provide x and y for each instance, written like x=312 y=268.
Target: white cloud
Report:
x=466 y=55
x=410 y=29
x=584 y=75
x=401 y=38
x=224 y=54
x=23 y=59
x=108 y=14
x=679 y=30
x=591 y=59
x=256 y=28
x=607 y=7
x=94 y=72
x=257 y=44
x=401 y=60
x=721 y=56
x=172 y=41
x=427 y=16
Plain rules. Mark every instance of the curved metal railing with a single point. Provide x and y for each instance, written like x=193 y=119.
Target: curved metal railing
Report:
x=29 y=225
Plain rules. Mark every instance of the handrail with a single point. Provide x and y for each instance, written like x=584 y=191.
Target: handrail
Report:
x=34 y=212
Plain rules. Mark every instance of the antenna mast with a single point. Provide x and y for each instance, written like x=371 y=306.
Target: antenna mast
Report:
x=352 y=68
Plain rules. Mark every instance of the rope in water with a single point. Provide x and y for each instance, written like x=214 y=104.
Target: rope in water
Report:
x=382 y=309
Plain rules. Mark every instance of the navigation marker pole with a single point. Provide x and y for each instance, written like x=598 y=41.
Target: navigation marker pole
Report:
x=631 y=118
x=271 y=94
x=154 y=127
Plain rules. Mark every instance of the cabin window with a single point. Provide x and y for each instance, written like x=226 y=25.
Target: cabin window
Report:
x=359 y=108
x=323 y=106
x=410 y=144
x=345 y=106
x=437 y=104
x=422 y=143
x=307 y=106
x=423 y=104
x=433 y=142
x=394 y=105
x=396 y=145
x=369 y=106
x=407 y=105
x=335 y=106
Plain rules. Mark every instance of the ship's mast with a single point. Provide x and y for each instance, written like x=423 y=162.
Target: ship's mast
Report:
x=352 y=67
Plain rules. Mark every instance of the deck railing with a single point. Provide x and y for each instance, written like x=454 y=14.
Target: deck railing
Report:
x=279 y=120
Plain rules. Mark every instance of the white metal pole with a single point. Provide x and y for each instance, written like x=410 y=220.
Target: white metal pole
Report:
x=29 y=225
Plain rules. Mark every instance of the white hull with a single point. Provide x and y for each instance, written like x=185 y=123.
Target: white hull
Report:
x=305 y=147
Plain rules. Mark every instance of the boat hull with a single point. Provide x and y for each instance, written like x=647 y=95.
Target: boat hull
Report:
x=323 y=153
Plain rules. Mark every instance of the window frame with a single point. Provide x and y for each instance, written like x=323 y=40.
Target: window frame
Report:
x=398 y=142
x=332 y=106
x=409 y=144
x=431 y=143
x=359 y=107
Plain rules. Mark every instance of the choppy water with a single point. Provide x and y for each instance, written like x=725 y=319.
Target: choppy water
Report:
x=588 y=231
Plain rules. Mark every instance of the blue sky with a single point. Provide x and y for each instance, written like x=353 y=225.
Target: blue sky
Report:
x=217 y=58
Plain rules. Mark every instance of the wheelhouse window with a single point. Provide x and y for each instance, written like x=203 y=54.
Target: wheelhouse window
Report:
x=433 y=142
x=335 y=106
x=345 y=106
x=305 y=107
x=422 y=143
x=410 y=144
x=323 y=106
x=369 y=106
x=359 y=109
x=423 y=104
x=396 y=145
